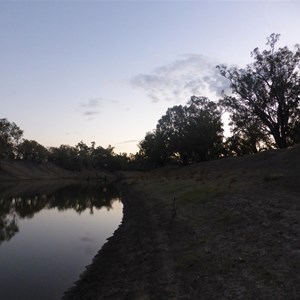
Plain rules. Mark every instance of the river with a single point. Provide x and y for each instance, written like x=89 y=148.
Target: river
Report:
x=49 y=232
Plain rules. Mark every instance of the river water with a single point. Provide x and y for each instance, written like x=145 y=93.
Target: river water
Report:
x=49 y=233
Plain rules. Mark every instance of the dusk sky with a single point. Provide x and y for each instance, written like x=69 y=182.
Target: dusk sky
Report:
x=106 y=71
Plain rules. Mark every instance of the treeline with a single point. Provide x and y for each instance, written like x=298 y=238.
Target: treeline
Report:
x=264 y=110
x=263 y=106
x=75 y=158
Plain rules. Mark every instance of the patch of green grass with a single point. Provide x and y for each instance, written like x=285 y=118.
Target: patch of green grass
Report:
x=273 y=177
x=174 y=187
x=228 y=218
x=185 y=191
x=200 y=194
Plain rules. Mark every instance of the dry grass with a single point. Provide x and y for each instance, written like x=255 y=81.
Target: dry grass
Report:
x=233 y=224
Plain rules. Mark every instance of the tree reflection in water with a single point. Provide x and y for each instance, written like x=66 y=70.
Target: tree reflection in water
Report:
x=78 y=197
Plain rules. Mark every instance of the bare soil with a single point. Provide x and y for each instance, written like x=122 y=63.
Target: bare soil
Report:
x=11 y=170
x=225 y=229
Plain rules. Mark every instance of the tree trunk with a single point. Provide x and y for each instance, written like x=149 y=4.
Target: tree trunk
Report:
x=280 y=141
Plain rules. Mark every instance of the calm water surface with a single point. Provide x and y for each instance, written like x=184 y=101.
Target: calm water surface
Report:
x=47 y=237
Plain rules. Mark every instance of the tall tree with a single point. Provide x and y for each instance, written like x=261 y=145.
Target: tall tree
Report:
x=66 y=157
x=10 y=135
x=204 y=129
x=194 y=131
x=190 y=133
x=248 y=137
x=268 y=89
x=32 y=150
x=153 y=148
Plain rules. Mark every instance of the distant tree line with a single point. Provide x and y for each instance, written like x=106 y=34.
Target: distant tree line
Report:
x=81 y=156
x=264 y=110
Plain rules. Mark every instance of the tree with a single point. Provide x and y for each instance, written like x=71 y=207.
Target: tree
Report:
x=247 y=136
x=32 y=150
x=153 y=148
x=295 y=132
x=66 y=157
x=10 y=135
x=104 y=157
x=189 y=133
x=84 y=154
x=204 y=132
x=268 y=90
x=171 y=132
x=194 y=131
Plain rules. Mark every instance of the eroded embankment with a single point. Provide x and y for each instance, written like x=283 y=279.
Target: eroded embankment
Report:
x=11 y=170
x=134 y=263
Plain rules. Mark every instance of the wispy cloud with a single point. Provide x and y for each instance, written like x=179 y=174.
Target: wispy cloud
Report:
x=129 y=142
x=93 y=107
x=71 y=133
x=190 y=74
x=91 y=113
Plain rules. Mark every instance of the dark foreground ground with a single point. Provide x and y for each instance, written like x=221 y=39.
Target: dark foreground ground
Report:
x=225 y=229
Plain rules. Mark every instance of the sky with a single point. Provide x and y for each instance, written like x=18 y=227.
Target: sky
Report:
x=106 y=71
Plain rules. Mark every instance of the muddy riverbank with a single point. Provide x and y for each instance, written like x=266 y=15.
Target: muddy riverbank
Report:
x=220 y=230
x=134 y=263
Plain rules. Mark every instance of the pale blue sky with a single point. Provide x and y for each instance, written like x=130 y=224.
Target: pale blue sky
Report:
x=107 y=71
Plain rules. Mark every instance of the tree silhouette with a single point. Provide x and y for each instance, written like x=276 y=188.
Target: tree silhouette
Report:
x=154 y=148
x=247 y=136
x=189 y=133
x=31 y=150
x=10 y=135
x=268 y=90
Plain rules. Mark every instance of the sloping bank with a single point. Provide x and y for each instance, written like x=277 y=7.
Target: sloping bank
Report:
x=220 y=230
x=26 y=170
x=134 y=263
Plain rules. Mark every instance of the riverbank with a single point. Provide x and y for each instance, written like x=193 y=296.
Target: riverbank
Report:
x=133 y=263
x=11 y=170
x=225 y=229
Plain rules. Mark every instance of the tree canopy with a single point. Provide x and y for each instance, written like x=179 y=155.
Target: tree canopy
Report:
x=32 y=150
x=268 y=90
x=10 y=136
x=188 y=133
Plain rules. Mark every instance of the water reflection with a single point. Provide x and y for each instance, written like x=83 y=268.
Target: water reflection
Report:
x=48 y=234
x=79 y=197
